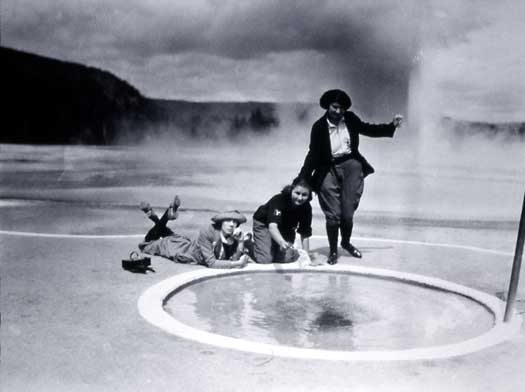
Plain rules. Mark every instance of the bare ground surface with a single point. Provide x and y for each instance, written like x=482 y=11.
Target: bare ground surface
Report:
x=70 y=319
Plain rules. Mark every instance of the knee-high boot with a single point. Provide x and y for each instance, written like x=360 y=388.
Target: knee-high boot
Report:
x=346 y=232
x=332 y=232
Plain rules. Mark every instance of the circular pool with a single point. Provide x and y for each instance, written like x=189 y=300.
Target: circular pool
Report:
x=329 y=310
x=336 y=312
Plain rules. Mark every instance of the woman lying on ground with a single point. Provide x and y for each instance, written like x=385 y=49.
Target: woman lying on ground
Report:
x=275 y=224
x=220 y=245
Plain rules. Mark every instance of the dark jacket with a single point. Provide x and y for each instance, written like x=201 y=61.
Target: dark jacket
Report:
x=319 y=158
x=289 y=218
x=210 y=251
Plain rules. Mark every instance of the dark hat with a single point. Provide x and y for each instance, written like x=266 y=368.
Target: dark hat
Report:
x=332 y=96
x=227 y=215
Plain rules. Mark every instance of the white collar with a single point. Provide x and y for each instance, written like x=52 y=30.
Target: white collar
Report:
x=332 y=125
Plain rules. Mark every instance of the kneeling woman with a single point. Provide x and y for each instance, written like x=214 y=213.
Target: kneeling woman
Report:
x=275 y=224
x=220 y=245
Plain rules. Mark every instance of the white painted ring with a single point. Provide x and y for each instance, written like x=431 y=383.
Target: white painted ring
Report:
x=150 y=306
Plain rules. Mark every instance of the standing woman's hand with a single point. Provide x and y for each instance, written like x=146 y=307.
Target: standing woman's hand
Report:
x=398 y=119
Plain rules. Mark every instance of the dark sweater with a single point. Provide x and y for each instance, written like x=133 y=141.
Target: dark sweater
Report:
x=289 y=218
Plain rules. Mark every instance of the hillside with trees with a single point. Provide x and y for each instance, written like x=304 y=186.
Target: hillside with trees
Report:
x=48 y=101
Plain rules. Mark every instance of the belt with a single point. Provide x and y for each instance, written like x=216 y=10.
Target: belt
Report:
x=341 y=159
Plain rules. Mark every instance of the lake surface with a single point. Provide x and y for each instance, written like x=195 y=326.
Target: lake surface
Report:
x=478 y=181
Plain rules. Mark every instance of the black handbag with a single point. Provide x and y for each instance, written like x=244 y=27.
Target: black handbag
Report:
x=137 y=264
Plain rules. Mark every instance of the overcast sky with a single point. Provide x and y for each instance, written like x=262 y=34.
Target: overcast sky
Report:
x=465 y=57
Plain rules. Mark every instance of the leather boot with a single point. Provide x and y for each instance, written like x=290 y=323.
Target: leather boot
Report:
x=346 y=233
x=332 y=232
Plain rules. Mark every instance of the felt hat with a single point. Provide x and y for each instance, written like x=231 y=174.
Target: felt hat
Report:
x=229 y=215
x=332 y=96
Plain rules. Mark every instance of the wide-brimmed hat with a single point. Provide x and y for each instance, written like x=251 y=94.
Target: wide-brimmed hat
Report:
x=332 y=96
x=229 y=215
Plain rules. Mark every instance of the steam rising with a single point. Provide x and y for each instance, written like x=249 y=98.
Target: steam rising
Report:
x=426 y=59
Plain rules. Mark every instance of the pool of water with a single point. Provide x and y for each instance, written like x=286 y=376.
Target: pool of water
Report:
x=333 y=311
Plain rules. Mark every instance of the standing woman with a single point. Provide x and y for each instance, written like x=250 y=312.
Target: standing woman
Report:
x=336 y=168
x=275 y=224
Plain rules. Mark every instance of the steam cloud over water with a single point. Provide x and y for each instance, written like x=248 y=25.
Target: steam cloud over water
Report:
x=426 y=59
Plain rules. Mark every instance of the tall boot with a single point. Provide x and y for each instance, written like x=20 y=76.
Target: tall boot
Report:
x=346 y=233
x=332 y=232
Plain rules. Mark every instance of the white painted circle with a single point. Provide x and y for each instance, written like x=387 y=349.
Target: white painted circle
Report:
x=151 y=303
